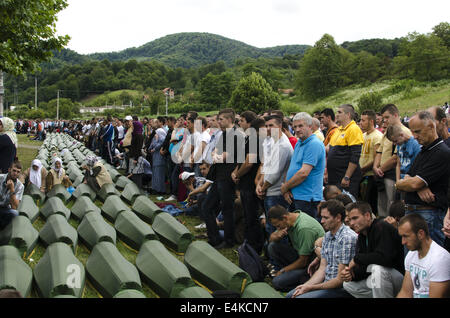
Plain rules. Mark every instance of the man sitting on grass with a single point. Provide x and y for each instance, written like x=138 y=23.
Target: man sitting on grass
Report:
x=11 y=191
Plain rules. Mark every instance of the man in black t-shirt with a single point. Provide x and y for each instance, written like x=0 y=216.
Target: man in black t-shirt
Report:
x=244 y=177
x=426 y=183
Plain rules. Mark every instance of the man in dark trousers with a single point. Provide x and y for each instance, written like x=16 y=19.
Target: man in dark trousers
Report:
x=426 y=184
x=377 y=269
x=244 y=177
x=222 y=193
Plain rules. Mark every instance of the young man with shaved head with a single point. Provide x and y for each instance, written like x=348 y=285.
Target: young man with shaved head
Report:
x=344 y=151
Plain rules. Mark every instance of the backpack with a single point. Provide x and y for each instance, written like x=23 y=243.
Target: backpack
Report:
x=251 y=262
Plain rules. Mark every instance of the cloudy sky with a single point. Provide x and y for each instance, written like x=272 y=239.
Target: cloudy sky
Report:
x=113 y=25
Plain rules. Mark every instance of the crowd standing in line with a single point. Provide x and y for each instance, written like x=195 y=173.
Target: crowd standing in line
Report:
x=340 y=204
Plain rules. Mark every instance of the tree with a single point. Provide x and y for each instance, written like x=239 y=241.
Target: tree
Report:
x=320 y=68
x=442 y=30
x=216 y=89
x=254 y=93
x=427 y=57
x=27 y=35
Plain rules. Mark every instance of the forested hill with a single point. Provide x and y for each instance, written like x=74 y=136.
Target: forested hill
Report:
x=195 y=49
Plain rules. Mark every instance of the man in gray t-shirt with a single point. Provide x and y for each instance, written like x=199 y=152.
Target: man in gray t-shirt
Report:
x=277 y=152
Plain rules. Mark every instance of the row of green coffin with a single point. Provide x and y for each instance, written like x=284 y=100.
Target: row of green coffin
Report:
x=60 y=273
x=94 y=229
x=132 y=229
x=129 y=193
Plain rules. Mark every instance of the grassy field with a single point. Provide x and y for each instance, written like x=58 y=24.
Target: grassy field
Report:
x=26 y=155
x=419 y=97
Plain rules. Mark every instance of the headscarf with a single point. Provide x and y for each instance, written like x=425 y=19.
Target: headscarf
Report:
x=8 y=129
x=91 y=160
x=36 y=176
x=161 y=133
x=60 y=170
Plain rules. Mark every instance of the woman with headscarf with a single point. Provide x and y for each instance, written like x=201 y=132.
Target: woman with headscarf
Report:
x=96 y=174
x=57 y=175
x=8 y=144
x=36 y=175
x=158 y=161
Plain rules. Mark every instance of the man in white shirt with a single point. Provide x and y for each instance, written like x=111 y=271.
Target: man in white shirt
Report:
x=427 y=264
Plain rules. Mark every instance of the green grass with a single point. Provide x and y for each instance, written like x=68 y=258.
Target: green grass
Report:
x=421 y=97
x=90 y=100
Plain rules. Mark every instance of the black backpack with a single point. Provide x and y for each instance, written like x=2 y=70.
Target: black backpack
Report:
x=251 y=262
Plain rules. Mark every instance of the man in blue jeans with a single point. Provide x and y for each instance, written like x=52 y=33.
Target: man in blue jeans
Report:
x=426 y=183
x=11 y=191
x=304 y=178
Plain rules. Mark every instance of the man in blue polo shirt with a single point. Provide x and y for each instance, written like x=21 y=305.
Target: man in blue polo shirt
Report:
x=304 y=178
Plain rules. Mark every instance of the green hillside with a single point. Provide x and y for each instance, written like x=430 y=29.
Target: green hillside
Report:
x=410 y=99
x=194 y=49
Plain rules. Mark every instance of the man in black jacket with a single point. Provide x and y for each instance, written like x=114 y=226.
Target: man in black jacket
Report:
x=377 y=269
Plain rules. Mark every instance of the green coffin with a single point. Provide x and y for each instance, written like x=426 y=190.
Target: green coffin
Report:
x=84 y=190
x=78 y=181
x=132 y=230
x=21 y=234
x=75 y=173
x=162 y=271
x=59 y=272
x=59 y=191
x=28 y=208
x=14 y=272
x=171 y=232
x=113 y=206
x=145 y=208
x=130 y=193
x=214 y=270
x=194 y=292
x=260 y=290
x=34 y=192
x=114 y=174
x=110 y=272
x=72 y=165
x=57 y=229
x=82 y=206
x=55 y=205
x=93 y=229
x=122 y=182
x=107 y=190
x=129 y=293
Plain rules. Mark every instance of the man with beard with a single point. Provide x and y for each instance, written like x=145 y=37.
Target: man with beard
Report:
x=338 y=249
x=11 y=191
x=427 y=265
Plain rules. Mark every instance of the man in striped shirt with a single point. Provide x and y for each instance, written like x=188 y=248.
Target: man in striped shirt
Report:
x=338 y=249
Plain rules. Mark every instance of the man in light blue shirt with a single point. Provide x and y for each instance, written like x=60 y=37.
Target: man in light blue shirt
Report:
x=304 y=178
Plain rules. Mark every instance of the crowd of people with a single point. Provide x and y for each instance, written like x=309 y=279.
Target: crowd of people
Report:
x=340 y=204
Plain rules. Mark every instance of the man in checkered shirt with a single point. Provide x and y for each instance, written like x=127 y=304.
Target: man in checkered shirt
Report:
x=338 y=249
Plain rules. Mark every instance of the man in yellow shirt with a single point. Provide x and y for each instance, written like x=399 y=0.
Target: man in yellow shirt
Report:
x=372 y=139
x=386 y=161
x=344 y=152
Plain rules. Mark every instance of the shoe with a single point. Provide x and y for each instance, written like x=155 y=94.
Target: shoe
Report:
x=171 y=198
x=200 y=226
